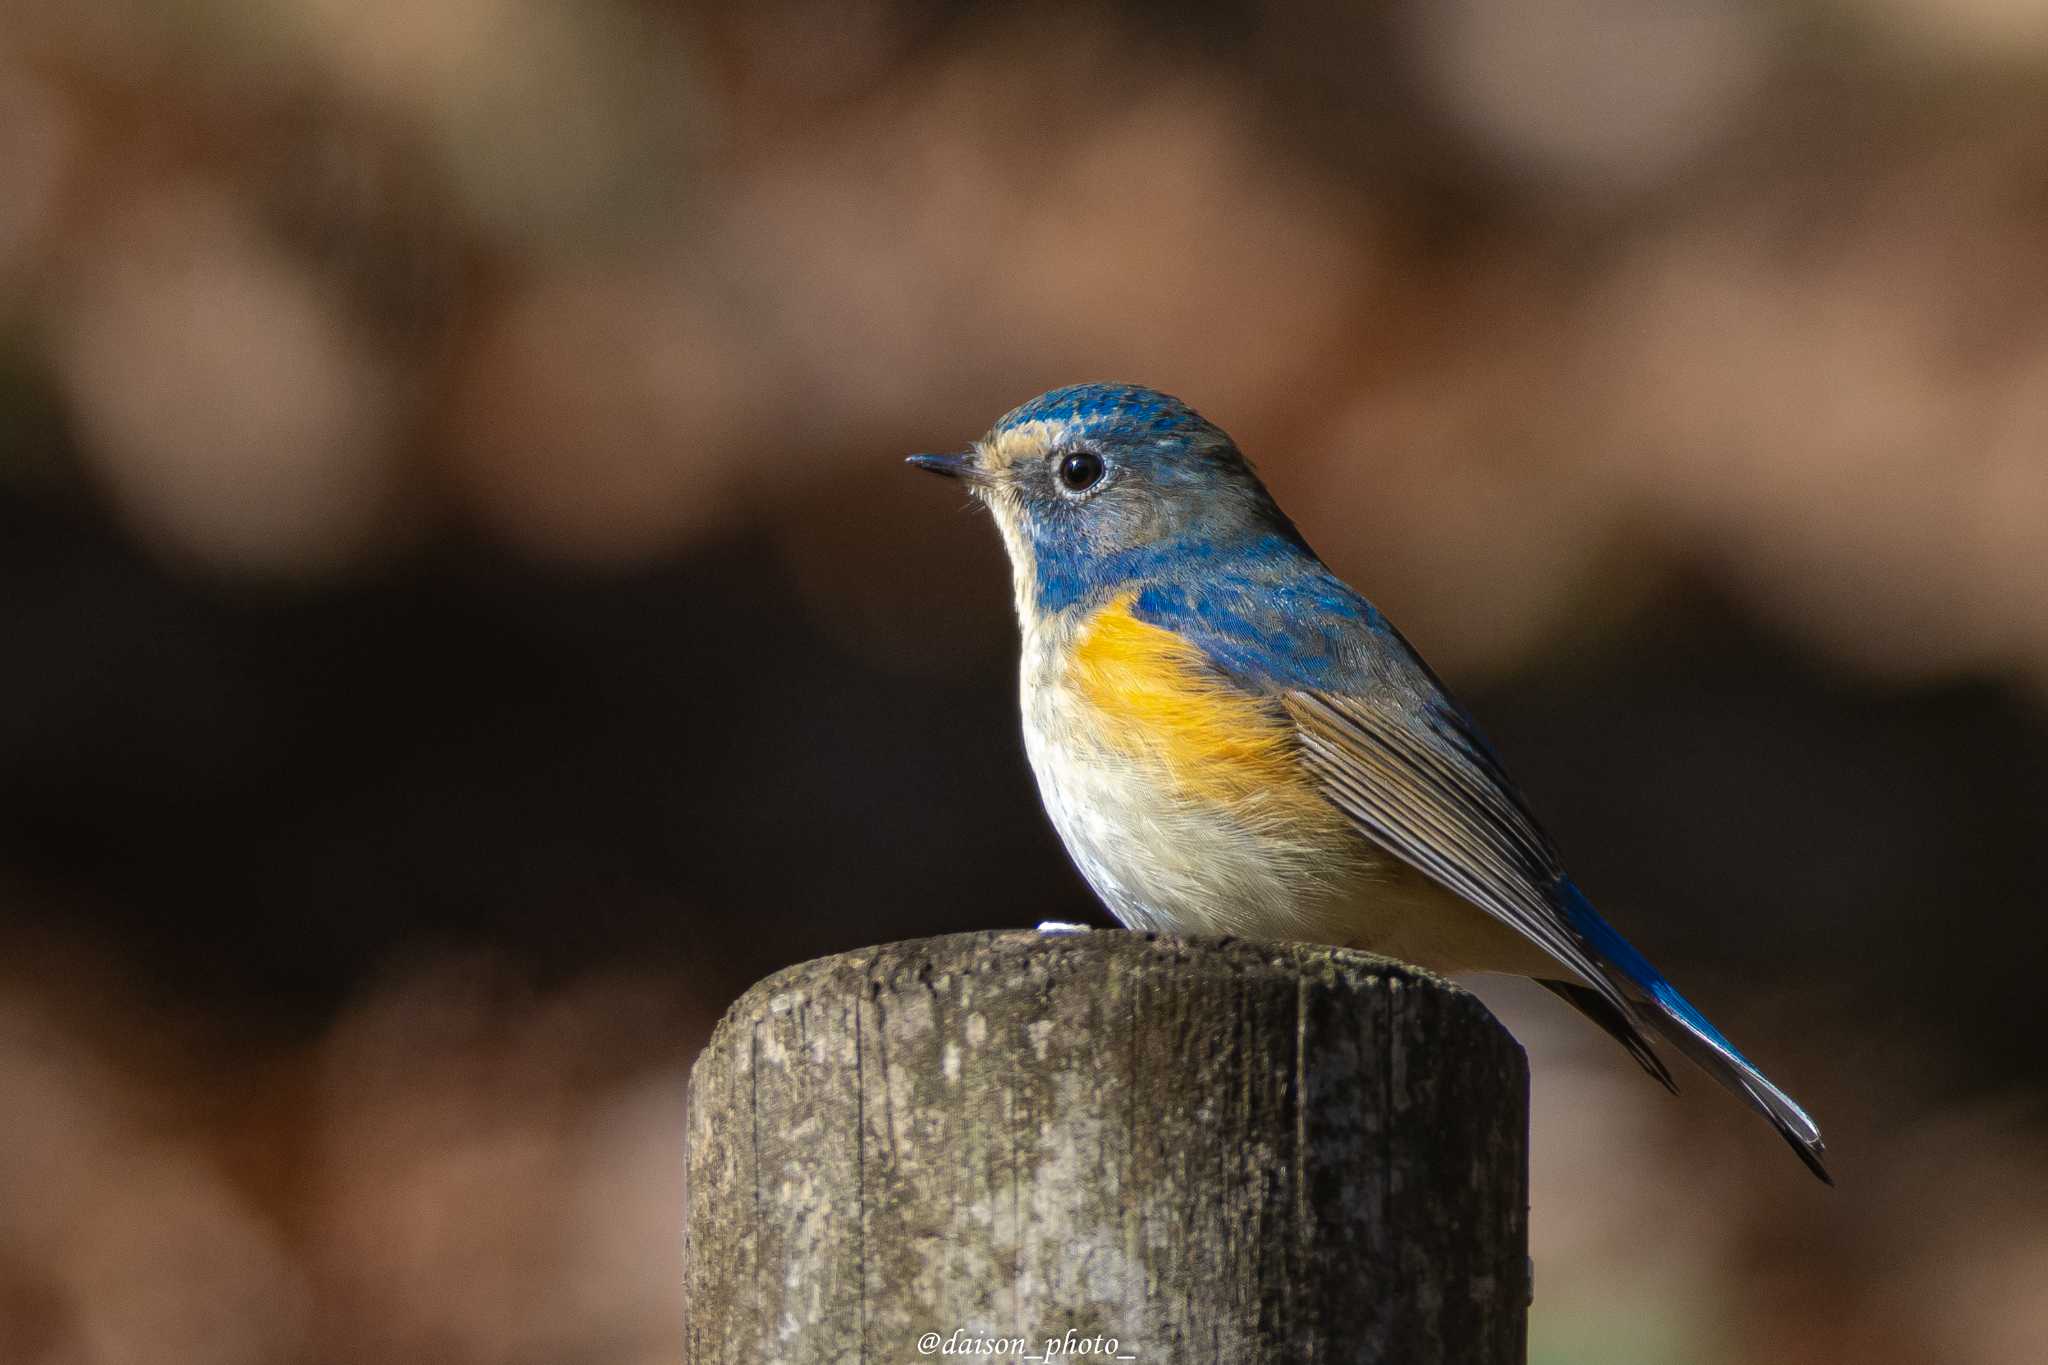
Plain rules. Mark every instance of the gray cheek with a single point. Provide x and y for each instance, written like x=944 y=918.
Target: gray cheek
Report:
x=1128 y=513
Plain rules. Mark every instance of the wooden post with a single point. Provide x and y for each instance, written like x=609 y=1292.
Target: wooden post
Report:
x=1214 y=1152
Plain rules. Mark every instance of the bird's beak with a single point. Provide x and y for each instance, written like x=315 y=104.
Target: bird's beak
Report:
x=961 y=466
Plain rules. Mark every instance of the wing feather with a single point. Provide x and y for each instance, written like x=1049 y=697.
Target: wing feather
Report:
x=1440 y=805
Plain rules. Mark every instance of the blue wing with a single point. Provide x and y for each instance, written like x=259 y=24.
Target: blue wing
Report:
x=1407 y=765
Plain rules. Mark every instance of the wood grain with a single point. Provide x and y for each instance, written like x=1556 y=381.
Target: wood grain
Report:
x=1210 y=1150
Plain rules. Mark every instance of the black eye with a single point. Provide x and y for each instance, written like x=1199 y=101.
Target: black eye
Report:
x=1080 y=470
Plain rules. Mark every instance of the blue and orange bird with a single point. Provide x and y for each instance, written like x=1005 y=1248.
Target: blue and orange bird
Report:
x=1231 y=741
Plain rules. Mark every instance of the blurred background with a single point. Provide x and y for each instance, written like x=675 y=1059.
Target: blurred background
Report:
x=465 y=617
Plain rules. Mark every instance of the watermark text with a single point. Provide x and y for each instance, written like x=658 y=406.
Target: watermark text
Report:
x=1070 y=1345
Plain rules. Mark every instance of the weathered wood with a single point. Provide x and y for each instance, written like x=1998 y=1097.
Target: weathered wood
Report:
x=1212 y=1151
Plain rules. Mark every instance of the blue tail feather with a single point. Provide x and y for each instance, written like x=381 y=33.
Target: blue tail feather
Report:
x=1675 y=1019
x=1617 y=952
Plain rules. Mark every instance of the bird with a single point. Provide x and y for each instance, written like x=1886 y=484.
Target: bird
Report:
x=1230 y=740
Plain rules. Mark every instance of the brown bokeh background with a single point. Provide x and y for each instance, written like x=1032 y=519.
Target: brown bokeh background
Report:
x=465 y=617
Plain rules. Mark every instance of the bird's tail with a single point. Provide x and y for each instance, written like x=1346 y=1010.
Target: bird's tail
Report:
x=1671 y=1016
x=1679 y=1024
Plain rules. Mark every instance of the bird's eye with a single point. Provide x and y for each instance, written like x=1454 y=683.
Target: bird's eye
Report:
x=1080 y=470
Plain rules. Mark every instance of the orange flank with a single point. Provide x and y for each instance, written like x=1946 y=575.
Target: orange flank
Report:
x=1156 y=699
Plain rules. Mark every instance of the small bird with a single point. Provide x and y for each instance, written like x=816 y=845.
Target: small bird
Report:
x=1230 y=740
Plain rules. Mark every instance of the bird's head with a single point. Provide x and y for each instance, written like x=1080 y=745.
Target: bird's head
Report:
x=1099 y=486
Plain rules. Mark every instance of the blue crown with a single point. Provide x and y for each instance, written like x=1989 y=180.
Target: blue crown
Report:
x=1121 y=408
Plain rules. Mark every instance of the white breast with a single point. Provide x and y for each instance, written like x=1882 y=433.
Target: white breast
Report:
x=1158 y=861
x=1165 y=864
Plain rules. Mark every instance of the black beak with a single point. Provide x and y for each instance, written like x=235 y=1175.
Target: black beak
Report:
x=960 y=466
